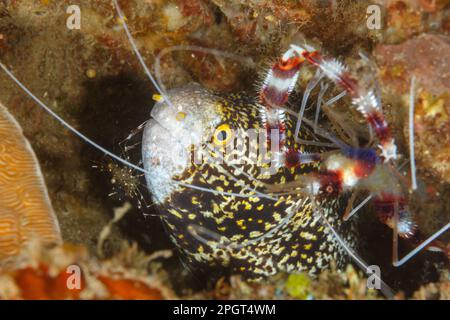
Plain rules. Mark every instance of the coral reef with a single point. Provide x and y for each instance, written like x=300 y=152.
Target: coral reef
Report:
x=434 y=291
x=25 y=208
x=50 y=274
x=330 y=285
x=43 y=273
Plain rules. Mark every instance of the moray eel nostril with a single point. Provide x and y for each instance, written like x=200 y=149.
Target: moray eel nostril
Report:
x=228 y=221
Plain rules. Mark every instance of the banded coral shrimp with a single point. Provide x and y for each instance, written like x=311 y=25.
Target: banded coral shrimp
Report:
x=274 y=94
x=354 y=164
x=345 y=168
x=202 y=190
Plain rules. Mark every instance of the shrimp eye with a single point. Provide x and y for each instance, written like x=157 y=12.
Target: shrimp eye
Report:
x=329 y=189
x=222 y=135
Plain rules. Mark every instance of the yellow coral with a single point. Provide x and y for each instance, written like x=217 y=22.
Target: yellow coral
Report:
x=297 y=285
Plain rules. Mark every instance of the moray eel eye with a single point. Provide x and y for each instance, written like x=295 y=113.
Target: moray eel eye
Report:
x=222 y=135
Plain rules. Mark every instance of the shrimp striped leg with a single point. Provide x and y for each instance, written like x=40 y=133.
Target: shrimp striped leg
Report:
x=364 y=99
x=277 y=86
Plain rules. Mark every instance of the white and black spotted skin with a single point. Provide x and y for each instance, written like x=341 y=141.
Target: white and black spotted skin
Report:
x=302 y=244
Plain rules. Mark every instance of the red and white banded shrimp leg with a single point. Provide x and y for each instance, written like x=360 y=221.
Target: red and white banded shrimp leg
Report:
x=364 y=99
x=347 y=170
x=277 y=86
x=274 y=94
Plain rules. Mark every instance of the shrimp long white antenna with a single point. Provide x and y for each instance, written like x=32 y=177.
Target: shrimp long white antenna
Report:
x=395 y=232
x=316 y=143
x=138 y=54
x=357 y=208
x=195 y=230
x=422 y=246
x=66 y=124
x=411 y=135
x=311 y=85
x=321 y=132
x=215 y=52
x=223 y=193
x=385 y=289
x=102 y=149
x=323 y=89
x=336 y=98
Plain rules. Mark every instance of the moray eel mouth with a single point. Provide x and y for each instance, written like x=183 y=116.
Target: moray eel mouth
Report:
x=208 y=162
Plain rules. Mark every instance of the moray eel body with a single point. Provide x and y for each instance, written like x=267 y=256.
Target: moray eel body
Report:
x=245 y=234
